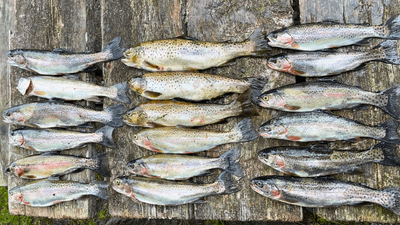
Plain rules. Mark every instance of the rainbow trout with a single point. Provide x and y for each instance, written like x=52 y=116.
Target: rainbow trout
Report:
x=322 y=192
x=328 y=95
x=164 y=192
x=45 y=193
x=317 y=64
x=182 y=167
x=54 y=114
x=182 y=54
x=317 y=36
x=321 y=161
x=61 y=61
x=52 y=164
x=70 y=89
x=319 y=126
x=185 y=140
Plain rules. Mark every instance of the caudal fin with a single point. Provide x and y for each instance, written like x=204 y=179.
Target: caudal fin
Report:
x=232 y=165
x=101 y=164
x=257 y=85
x=114 y=50
x=260 y=43
x=100 y=189
x=116 y=112
x=391 y=126
x=107 y=132
x=122 y=89
x=244 y=131
x=392 y=201
x=389 y=49
x=390 y=157
x=227 y=184
x=243 y=105
x=393 y=24
x=392 y=107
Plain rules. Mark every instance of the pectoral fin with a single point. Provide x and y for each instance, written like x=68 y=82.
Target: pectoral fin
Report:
x=152 y=94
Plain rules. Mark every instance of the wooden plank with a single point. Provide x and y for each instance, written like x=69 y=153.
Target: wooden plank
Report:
x=48 y=24
x=375 y=77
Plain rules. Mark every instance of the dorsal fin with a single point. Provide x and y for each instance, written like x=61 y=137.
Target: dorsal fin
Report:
x=187 y=38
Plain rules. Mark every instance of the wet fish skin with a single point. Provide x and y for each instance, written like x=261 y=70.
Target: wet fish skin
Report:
x=183 y=54
x=307 y=127
x=45 y=193
x=321 y=192
x=61 y=61
x=163 y=192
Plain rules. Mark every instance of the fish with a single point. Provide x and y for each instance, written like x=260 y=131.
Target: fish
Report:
x=183 y=167
x=61 y=61
x=58 y=114
x=186 y=140
x=327 y=63
x=45 y=140
x=323 y=192
x=314 y=161
x=51 y=164
x=320 y=126
x=188 y=54
x=69 y=88
x=328 y=95
x=186 y=114
x=165 y=192
x=190 y=86
x=43 y=193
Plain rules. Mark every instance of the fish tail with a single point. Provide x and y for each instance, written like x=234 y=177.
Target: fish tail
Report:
x=232 y=165
x=243 y=105
x=257 y=39
x=390 y=157
x=227 y=184
x=392 y=202
x=257 y=85
x=389 y=49
x=122 y=89
x=113 y=49
x=101 y=164
x=393 y=24
x=107 y=132
x=244 y=131
x=392 y=106
x=100 y=189
x=116 y=112
x=391 y=126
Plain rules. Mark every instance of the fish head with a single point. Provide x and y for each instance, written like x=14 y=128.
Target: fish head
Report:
x=271 y=158
x=271 y=99
x=132 y=56
x=15 y=115
x=122 y=185
x=15 y=138
x=273 y=129
x=137 y=167
x=15 y=196
x=16 y=58
x=280 y=62
x=281 y=38
x=136 y=117
x=266 y=186
x=138 y=84
x=14 y=170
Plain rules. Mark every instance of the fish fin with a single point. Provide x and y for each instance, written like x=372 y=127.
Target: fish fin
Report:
x=150 y=65
x=122 y=89
x=394 y=27
x=152 y=94
x=260 y=43
x=85 y=125
x=392 y=107
x=393 y=203
x=229 y=63
x=244 y=131
x=107 y=132
x=363 y=42
x=257 y=85
x=232 y=166
x=153 y=125
x=93 y=99
x=50 y=153
x=198 y=201
x=207 y=173
x=102 y=164
x=72 y=171
x=61 y=50
x=116 y=112
x=389 y=48
x=114 y=49
x=71 y=77
x=359 y=107
x=389 y=153
x=391 y=126
x=330 y=21
x=87 y=52
x=89 y=69
x=187 y=38
x=54 y=178
x=243 y=105
x=327 y=80
x=101 y=189
x=355 y=170
x=228 y=185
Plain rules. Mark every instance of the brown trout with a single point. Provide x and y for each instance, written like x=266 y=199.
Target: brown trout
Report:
x=317 y=36
x=58 y=140
x=70 y=89
x=52 y=164
x=174 y=113
x=321 y=161
x=61 y=61
x=322 y=192
x=191 y=86
x=186 y=140
x=317 y=64
x=182 y=167
x=45 y=193
x=319 y=126
x=54 y=114
x=182 y=54
x=164 y=192
x=328 y=95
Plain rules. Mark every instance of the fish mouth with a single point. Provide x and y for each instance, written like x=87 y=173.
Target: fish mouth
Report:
x=272 y=66
x=128 y=62
x=264 y=134
x=271 y=43
x=7 y=120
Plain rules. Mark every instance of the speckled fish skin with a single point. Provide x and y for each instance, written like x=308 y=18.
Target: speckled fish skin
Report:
x=186 y=140
x=182 y=167
x=164 y=192
x=318 y=64
x=321 y=161
x=70 y=89
x=328 y=95
x=45 y=193
x=61 y=61
x=317 y=36
x=320 y=192
x=319 y=126
x=53 y=164
x=188 y=54
x=53 y=114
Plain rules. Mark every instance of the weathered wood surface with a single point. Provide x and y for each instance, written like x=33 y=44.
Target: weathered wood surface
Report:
x=375 y=77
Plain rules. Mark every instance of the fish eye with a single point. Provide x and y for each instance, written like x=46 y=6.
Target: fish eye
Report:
x=265 y=98
x=117 y=182
x=267 y=129
x=273 y=60
x=259 y=184
x=135 y=137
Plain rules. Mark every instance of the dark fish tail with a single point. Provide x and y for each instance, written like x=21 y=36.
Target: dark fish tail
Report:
x=389 y=153
x=244 y=131
x=243 y=105
x=257 y=85
x=260 y=43
x=100 y=189
x=122 y=92
x=389 y=49
x=392 y=107
x=107 y=132
x=393 y=24
x=116 y=112
x=392 y=202
x=229 y=186
x=101 y=166
x=232 y=166
x=114 y=49
x=391 y=126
